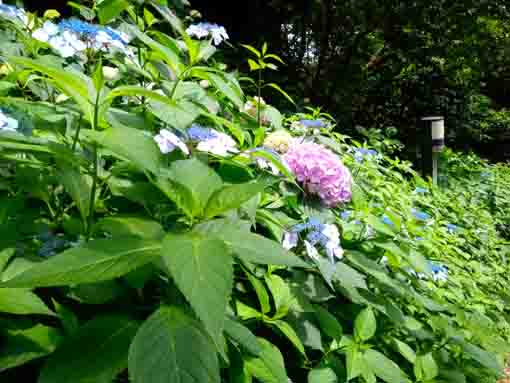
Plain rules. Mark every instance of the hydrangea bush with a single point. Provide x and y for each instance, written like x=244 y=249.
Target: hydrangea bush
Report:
x=158 y=224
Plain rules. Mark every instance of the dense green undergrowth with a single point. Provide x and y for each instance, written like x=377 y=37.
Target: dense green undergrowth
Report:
x=137 y=245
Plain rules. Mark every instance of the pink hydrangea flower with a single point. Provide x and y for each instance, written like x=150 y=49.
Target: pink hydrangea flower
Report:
x=321 y=172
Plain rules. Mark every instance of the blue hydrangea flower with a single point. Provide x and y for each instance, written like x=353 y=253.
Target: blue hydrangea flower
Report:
x=451 y=228
x=361 y=154
x=420 y=215
x=215 y=31
x=91 y=30
x=313 y=123
x=315 y=237
x=420 y=190
x=11 y=12
x=345 y=214
x=387 y=220
x=7 y=124
x=439 y=271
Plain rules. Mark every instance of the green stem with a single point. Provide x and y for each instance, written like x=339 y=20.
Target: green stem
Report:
x=94 y=172
x=259 y=91
x=75 y=139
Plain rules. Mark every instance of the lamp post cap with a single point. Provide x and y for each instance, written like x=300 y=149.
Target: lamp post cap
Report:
x=432 y=118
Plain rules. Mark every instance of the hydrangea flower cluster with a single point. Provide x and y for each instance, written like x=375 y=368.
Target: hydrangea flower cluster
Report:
x=7 y=124
x=420 y=215
x=361 y=154
x=201 y=30
x=439 y=272
x=279 y=141
x=212 y=141
x=73 y=36
x=321 y=172
x=451 y=228
x=168 y=142
x=11 y=12
x=325 y=235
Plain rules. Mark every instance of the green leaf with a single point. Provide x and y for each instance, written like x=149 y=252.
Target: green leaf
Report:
x=353 y=362
x=231 y=197
x=5 y=257
x=98 y=260
x=261 y=292
x=241 y=335
x=290 y=334
x=21 y=301
x=202 y=269
x=178 y=114
x=250 y=247
x=79 y=187
x=97 y=352
x=384 y=368
x=425 y=367
x=130 y=226
x=22 y=346
x=199 y=179
x=75 y=84
x=224 y=87
x=268 y=367
x=107 y=10
x=365 y=325
x=283 y=296
x=171 y=346
x=347 y=277
x=328 y=323
x=285 y=94
x=406 y=351
x=483 y=357
x=322 y=375
x=252 y=50
x=68 y=319
x=253 y=65
x=130 y=144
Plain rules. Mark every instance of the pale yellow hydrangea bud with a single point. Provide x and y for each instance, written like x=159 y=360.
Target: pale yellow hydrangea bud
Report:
x=111 y=73
x=204 y=84
x=5 y=69
x=279 y=141
x=61 y=98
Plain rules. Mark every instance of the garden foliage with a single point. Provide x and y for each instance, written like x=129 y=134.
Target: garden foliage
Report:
x=158 y=224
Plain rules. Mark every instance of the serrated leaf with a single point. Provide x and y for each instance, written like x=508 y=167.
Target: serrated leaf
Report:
x=120 y=226
x=365 y=325
x=322 y=375
x=231 y=197
x=131 y=144
x=101 y=355
x=268 y=367
x=248 y=246
x=98 y=260
x=22 y=302
x=202 y=269
x=243 y=336
x=384 y=368
x=170 y=346
x=406 y=351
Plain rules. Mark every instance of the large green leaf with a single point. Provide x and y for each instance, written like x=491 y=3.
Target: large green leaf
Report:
x=225 y=88
x=107 y=10
x=425 y=367
x=130 y=226
x=365 y=325
x=131 y=144
x=22 y=301
x=268 y=367
x=178 y=114
x=384 y=368
x=328 y=323
x=287 y=330
x=99 y=260
x=201 y=181
x=22 y=345
x=483 y=357
x=241 y=335
x=73 y=83
x=248 y=246
x=97 y=352
x=322 y=375
x=202 y=269
x=231 y=197
x=172 y=347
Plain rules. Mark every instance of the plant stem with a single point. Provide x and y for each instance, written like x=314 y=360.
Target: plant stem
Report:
x=259 y=91
x=75 y=139
x=95 y=160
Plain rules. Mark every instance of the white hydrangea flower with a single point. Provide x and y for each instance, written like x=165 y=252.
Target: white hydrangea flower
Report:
x=7 y=124
x=290 y=240
x=202 y=30
x=168 y=141
x=311 y=251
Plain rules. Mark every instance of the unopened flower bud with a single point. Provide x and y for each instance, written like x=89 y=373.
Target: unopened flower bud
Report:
x=111 y=73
